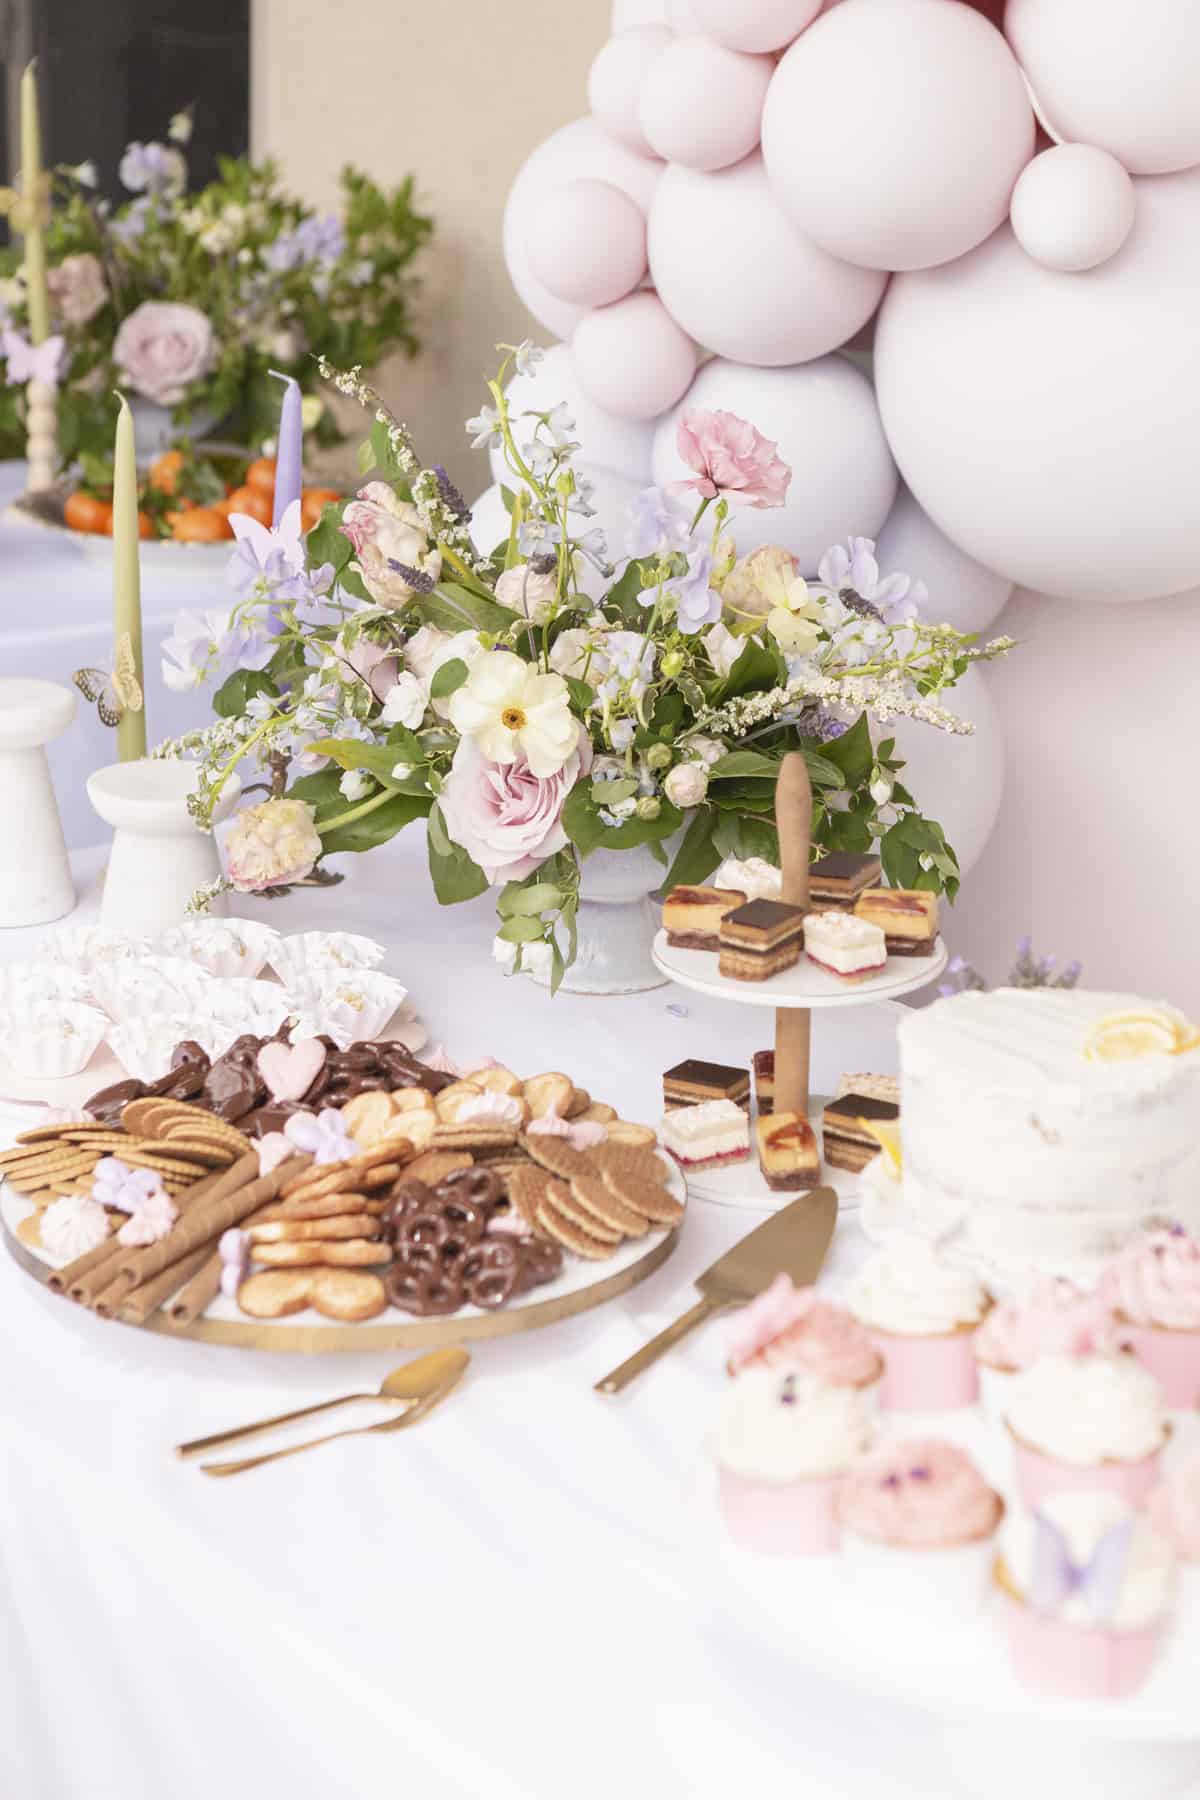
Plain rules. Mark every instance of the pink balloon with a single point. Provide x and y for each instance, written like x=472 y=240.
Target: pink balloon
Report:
x=894 y=131
x=754 y=24
x=587 y=243
x=605 y=441
x=627 y=15
x=632 y=359
x=701 y=105
x=736 y=273
x=616 y=80
x=1073 y=207
x=682 y=17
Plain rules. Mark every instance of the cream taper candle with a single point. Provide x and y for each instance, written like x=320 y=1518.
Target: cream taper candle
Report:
x=127 y=587
x=31 y=195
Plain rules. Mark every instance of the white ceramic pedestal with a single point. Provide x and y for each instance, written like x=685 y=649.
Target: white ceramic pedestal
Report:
x=616 y=925
x=35 y=877
x=159 y=854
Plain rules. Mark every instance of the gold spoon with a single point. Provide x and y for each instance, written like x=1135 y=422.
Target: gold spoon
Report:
x=410 y=1383
x=408 y=1417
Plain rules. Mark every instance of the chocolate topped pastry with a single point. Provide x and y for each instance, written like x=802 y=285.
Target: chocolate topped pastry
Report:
x=760 y=939
x=692 y=916
x=836 y=880
x=189 y=1051
x=231 y=1090
x=108 y=1105
x=183 y=1083
x=692 y=1081
x=848 y=1144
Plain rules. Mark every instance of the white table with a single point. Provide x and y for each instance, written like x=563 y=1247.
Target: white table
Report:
x=501 y=1603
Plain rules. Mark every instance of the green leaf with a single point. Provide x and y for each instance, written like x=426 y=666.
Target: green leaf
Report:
x=229 y=701
x=521 y=931
x=328 y=543
x=455 y=876
x=852 y=752
x=367 y=832
x=742 y=763
x=352 y=753
x=452 y=607
x=822 y=772
x=528 y=902
x=608 y=793
x=622 y=599
x=697 y=856
x=449 y=678
x=366 y=457
x=580 y=819
x=582 y=693
x=756 y=667
x=406 y=746
x=587 y=830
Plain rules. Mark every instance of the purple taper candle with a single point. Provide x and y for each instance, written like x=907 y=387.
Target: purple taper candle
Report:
x=289 y=452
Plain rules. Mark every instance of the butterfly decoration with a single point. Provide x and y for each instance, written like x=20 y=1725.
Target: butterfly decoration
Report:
x=1057 y=1577
x=32 y=362
x=20 y=213
x=114 y=693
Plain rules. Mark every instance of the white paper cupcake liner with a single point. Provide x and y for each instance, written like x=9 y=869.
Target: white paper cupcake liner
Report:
x=308 y=952
x=85 y=947
x=233 y=1009
x=143 y=1046
x=350 y=1006
x=21 y=984
x=149 y=985
x=227 y=948
x=48 y=1039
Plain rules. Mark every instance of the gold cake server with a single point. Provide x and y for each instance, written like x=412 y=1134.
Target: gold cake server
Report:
x=791 y=1242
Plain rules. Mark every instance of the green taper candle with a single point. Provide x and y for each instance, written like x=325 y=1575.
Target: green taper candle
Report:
x=127 y=587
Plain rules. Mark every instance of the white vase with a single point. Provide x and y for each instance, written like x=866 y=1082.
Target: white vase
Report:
x=154 y=428
x=617 y=922
x=159 y=856
x=35 y=876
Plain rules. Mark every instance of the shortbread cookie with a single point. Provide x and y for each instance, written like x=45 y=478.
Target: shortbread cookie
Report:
x=578 y=1104
x=369 y=1117
x=353 y=1253
x=324 y=1206
x=414 y=1128
x=474 y=1137
x=315 y=1182
x=548 y=1095
x=622 y=1131
x=597 y=1112
x=411 y=1100
x=284 y=1231
x=275 y=1293
x=347 y=1295
x=383 y=1175
x=497 y=1081
x=390 y=1150
x=451 y=1098
x=432 y=1165
x=555 y=1224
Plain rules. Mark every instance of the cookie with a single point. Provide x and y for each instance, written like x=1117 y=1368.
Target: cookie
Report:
x=42 y=1134
x=555 y=1224
x=415 y=1129
x=286 y=1231
x=383 y=1175
x=598 y=1202
x=432 y=1165
x=599 y=1112
x=498 y=1081
x=548 y=1095
x=369 y=1117
x=630 y=1183
x=527 y=1187
x=350 y=1253
x=474 y=1137
x=451 y=1098
x=146 y=1118
x=275 y=1293
x=568 y=1201
x=556 y=1155
x=578 y=1104
x=162 y=1163
x=391 y=1150
x=318 y=1180
x=411 y=1100
x=202 y=1127
x=347 y=1295
x=621 y=1131
x=325 y=1206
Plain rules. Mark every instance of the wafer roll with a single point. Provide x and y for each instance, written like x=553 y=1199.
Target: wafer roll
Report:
x=88 y=1277
x=147 y=1299
x=200 y=1292
x=201 y=1224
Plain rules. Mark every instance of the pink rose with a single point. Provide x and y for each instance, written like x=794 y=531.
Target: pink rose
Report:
x=272 y=845
x=505 y=817
x=77 y=288
x=162 y=348
x=390 y=543
x=731 y=459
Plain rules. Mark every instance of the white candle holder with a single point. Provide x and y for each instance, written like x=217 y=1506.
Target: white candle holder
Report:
x=159 y=856
x=35 y=876
x=41 y=435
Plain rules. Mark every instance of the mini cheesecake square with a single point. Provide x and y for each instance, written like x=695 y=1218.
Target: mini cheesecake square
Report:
x=764 y=1081
x=707 y=1136
x=760 y=940
x=848 y=1145
x=787 y=1151
x=844 y=946
x=692 y=916
x=835 y=881
x=691 y=1082
x=908 y=918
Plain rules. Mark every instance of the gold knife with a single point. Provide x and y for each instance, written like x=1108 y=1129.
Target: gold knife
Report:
x=791 y=1242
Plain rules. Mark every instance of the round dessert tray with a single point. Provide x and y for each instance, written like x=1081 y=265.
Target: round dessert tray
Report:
x=153 y=553
x=741 y=1184
x=802 y=985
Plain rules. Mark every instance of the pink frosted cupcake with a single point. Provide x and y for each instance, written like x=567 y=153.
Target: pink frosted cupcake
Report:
x=1085 y=1586
x=1086 y=1423
x=1154 y=1289
x=922 y=1314
x=1052 y=1318
x=917 y=1524
x=784 y=1442
x=794 y=1328
x=1174 y=1511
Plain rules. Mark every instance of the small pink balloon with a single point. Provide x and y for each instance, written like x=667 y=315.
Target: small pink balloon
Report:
x=1073 y=207
x=701 y=105
x=616 y=79
x=632 y=358
x=587 y=243
x=754 y=25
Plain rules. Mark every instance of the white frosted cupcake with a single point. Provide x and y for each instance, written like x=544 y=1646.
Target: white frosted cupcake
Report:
x=1052 y=1317
x=1086 y=1423
x=922 y=1314
x=784 y=1442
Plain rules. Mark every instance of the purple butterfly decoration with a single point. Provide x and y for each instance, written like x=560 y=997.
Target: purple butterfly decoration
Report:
x=32 y=362
x=1057 y=1577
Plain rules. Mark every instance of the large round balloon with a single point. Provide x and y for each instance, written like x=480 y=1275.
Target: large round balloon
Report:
x=605 y=440
x=754 y=24
x=613 y=493
x=738 y=275
x=581 y=150
x=1048 y=422
x=824 y=418
x=632 y=359
x=628 y=15
x=957 y=781
x=587 y=242
x=962 y=592
x=894 y=130
x=1123 y=74
x=1073 y=207
x=701 y=105
x=616 y=79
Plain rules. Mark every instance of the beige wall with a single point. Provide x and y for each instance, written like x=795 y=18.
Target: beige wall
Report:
x=458 y=92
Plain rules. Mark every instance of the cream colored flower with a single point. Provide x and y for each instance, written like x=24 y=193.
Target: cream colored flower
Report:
x=523 y=590
x=511 y=710
x=272 y=844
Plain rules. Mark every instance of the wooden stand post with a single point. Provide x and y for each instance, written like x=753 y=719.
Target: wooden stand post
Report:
x=793 y=1024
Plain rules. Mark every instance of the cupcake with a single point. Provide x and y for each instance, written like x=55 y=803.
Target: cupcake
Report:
x=1085 y=1586
x=922 y=1314
x=794 y=1328
x=1053 y=1318
x=1154 y=1290
x=1174 y=1511
x=784 y=1442
x=917 y=1522
x=1086 y=1423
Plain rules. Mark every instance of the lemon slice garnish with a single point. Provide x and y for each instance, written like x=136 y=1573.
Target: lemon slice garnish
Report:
x=1130 y=1036
x=887 y=1135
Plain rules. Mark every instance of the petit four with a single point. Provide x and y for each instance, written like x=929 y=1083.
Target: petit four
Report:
x=844 y=946
x=907 y=917
x=760 y=940
x=707 y=1136
x=692 y=916
x=846 y=1141
x=690 y=1082
x=787 y=1152
x=757 y=878
x=764 y=1080
x=835 y=881
x=922 y=1313
x=877 y=1087
x=1086 y=1422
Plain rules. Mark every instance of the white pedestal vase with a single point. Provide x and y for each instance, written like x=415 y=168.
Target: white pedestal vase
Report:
x=154 y=428
x=617 y=922
x=35 y=876
x=159 y=854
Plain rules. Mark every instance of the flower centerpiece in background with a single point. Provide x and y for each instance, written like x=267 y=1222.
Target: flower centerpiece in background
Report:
x=554 y=695
x=187 y=299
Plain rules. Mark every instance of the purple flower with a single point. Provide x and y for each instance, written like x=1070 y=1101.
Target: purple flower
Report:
x=696 y=602
x=657 y=523
x=851 y=571
x=152 y=169
x=211 y=646
x=129 y=229
x=314 y=240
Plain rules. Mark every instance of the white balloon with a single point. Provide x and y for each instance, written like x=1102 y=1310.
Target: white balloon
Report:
x=605 y=441
x=824 y=418
x=587 y=243
x=1073 y=207
x=702 y=105
x=581 y=150
x=894 y=130
x=490 y=522
x=1123 y=74
x=682 y=17
x=957 y=781
x=962 y=592
x=628 y=15
x=616 y=79
x=755 y=24
x=738 y=275
x=1047 y=422
x=632 y=359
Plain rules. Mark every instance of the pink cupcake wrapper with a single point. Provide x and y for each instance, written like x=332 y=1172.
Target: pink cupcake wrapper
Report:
x=927 y=1374
x=1038 y=1476
x=781 y=1518
x=1076 y=1662
x=1173 y=1357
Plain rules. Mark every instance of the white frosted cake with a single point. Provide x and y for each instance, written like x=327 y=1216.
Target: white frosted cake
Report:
x=1049 y=1161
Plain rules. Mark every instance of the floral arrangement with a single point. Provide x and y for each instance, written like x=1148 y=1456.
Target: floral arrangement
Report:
x=1028 y=971
x=550 y=698
x=188 y=299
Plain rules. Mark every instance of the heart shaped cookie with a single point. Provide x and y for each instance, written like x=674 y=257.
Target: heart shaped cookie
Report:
x=289 y=1070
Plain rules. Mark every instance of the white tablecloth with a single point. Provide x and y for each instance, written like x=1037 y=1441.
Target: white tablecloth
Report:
x=500 y=1603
